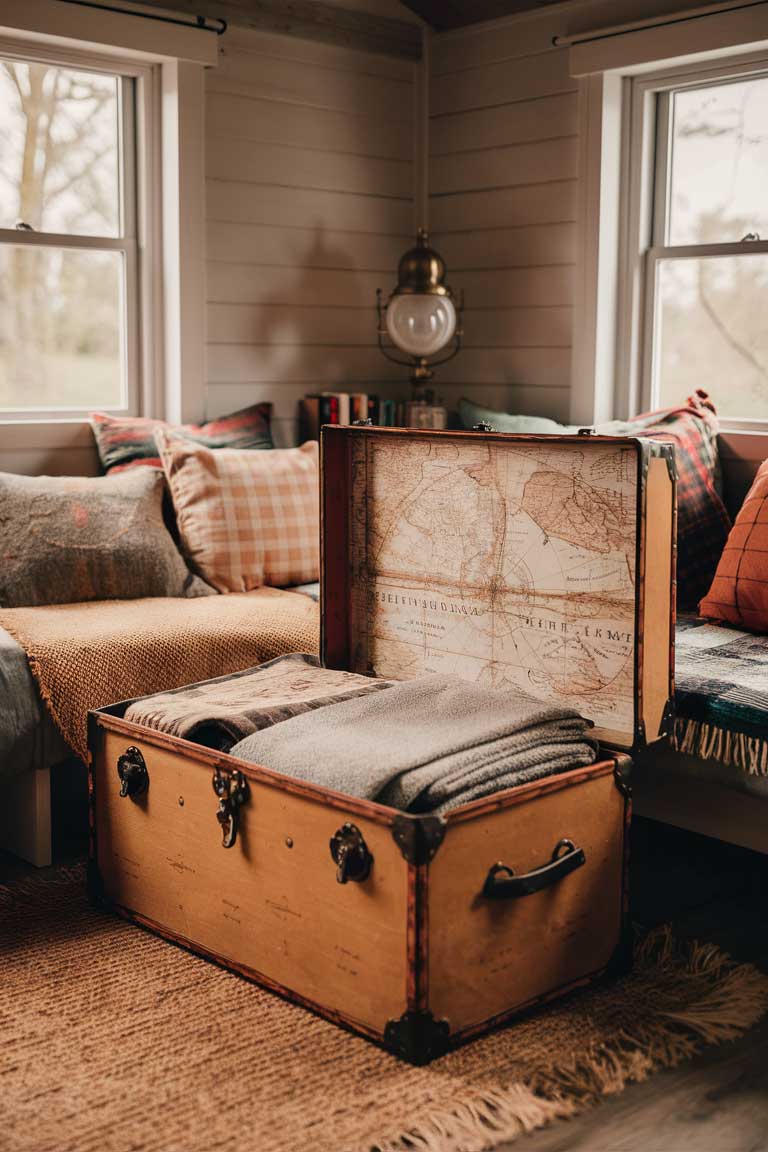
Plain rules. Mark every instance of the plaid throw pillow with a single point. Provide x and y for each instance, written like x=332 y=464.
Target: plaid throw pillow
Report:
x=703 y=522
x=128 y=441
x=739 y=592
x=245 y=518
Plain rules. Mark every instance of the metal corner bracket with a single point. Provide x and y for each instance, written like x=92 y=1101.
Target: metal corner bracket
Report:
x=622 y=774
x=417 y=1037
x=418 y=837
x=640 y=738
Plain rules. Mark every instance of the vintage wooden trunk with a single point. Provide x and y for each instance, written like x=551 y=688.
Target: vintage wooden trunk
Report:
x=540 y=564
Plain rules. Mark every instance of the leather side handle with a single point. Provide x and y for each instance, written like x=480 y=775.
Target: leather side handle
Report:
x=501 y=883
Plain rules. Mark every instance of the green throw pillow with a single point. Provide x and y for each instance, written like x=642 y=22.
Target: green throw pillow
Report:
x=471 y=414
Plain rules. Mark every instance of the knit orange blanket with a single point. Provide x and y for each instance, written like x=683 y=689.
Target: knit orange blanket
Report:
x=85 y=656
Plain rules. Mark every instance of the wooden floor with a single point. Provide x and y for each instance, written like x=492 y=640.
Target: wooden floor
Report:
x=718 y=1102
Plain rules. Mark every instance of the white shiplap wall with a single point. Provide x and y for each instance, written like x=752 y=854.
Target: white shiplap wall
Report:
x=310 y=203
x=503 y=179
x=503 y=144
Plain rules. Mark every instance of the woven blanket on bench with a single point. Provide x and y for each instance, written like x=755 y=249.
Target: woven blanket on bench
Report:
x=721 y=695
x=85 y=656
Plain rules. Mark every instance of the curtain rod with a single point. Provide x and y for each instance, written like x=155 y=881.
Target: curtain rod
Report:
x=653 y=22
x=198 y=23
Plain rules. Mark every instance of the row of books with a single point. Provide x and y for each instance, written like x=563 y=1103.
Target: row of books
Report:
x=344 y=408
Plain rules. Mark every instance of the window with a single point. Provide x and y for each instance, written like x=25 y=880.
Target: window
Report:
x=69 y=293
x=704 y=267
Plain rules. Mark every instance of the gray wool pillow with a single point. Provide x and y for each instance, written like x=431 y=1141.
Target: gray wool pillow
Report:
x=65 y=539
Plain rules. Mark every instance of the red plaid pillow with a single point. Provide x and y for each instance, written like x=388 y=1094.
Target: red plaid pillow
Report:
x=245 y=518
x=739 y=592
x=128 y=441
x=703 y=522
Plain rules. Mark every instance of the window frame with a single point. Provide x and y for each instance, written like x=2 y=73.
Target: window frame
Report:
x=643 y=213
x=138 y=141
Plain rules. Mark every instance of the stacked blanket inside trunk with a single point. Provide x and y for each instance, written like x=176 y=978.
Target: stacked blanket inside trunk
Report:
x=425 y=745
x=220 y=712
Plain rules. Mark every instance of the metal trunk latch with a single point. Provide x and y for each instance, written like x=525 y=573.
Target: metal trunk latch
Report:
x=350 y=854
x=232 y=791
x=132 y=770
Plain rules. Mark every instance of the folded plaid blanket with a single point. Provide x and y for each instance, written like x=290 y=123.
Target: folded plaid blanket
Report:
x=721 y=694
x=425 y=745
x=220 y=712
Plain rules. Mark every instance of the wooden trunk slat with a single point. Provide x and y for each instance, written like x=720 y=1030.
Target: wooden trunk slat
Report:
x=416 y=942
x=269 y=907
x=487 y=957
x=658 y=666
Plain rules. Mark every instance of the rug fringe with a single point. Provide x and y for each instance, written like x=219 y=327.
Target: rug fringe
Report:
x=709 y=742
x=483 y=1120
x=480 y=1122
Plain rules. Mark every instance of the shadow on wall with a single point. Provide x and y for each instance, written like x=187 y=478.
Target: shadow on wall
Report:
x=311 y=326
x=288 y=323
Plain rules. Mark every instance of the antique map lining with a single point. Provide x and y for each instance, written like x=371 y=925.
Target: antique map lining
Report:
x=508 y=564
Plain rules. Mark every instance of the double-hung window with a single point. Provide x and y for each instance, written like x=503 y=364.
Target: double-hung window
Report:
x=69 y=275
x=702 y=224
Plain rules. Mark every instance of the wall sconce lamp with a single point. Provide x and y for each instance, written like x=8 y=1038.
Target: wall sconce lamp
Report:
x=421 y=317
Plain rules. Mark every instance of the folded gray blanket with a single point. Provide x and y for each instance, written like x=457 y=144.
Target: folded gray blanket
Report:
x=217 y=713
x=425 y=745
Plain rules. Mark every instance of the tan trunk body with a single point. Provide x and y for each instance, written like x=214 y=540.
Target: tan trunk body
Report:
x=436 y=943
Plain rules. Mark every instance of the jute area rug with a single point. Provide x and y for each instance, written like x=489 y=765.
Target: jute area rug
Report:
x=116 y=1041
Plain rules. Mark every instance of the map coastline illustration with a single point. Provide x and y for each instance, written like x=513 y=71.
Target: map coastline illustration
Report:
x=507 y=564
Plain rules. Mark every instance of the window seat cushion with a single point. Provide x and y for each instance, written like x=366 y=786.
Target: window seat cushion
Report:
x=721 y=695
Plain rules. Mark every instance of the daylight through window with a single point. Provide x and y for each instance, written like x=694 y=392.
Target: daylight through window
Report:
x=707 y=269
x=67 y=239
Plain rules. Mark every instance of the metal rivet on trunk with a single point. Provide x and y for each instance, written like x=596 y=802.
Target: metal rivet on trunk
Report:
x=181 y=801
x=288 y=842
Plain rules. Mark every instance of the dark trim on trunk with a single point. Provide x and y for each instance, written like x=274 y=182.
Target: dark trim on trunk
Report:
x=417 y=1037
x=252 y=974
x=109 y=720
x=524 y=793
x=622 y=774
x=94 y=882
x=418 y=837
x=668 y=717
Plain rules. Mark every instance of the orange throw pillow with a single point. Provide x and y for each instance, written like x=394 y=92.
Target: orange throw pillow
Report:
x=245 y=518
x=739 y=592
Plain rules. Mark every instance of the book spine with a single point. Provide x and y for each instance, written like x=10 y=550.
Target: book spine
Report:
x=343 y=399
x=329 y=408
x=358 y=406
x=309 y=418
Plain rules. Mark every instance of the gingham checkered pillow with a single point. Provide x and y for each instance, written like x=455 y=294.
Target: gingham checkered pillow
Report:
x=245 y=518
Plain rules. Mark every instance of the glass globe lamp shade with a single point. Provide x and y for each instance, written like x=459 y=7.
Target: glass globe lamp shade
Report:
x=420 y=323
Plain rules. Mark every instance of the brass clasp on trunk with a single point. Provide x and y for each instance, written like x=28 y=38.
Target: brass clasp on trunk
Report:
x=232 y=791
x=350 y=854
x=132 y=770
